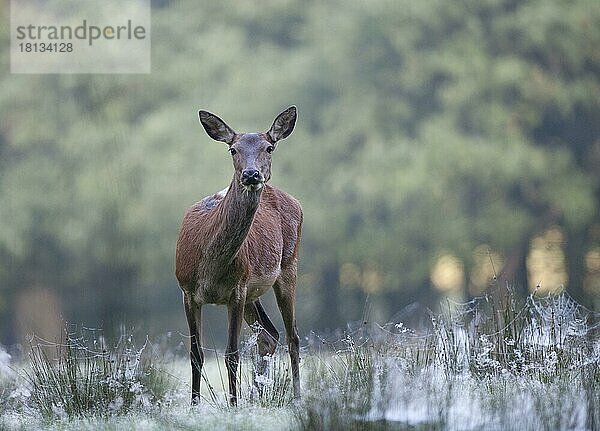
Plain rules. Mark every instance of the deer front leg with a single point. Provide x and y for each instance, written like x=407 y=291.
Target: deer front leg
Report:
x=193 y=313
x=232 y=354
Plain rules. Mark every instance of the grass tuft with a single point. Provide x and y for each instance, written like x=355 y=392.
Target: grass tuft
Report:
x=91 y=377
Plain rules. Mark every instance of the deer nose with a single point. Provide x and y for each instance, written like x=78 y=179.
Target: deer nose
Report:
x=250 y=176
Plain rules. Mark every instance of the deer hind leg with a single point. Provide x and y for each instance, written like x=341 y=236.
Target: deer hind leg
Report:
x=235 y=311
x=268 y=337
x=285 y=288
x=193 y=313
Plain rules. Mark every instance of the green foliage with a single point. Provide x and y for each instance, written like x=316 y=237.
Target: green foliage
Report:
x=423 y=126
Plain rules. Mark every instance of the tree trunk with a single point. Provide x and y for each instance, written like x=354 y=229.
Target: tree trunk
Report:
x=329 y=316
x=575 y=250
x=514 y=271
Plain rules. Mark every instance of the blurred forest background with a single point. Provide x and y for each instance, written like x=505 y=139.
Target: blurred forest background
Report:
x=438 y=143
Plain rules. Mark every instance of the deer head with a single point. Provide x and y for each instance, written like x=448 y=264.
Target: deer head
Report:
x=251 y=152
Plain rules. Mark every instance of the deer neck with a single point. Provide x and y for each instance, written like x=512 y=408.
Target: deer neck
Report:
x=236 y=214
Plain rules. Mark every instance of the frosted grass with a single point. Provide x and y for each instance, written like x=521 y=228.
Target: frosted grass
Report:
x=485 y=364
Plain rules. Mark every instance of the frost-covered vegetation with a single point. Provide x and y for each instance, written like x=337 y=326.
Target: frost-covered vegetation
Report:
x=483 y=365
x=487 y=364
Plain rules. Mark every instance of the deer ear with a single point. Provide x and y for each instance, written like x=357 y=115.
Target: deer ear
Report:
x=216 y=128
x=283 y=125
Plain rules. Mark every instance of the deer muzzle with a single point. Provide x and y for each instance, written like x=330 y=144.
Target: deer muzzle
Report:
x=251 y=179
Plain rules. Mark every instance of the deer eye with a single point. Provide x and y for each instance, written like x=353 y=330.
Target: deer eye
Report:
x=232 y=151
x=270 y=149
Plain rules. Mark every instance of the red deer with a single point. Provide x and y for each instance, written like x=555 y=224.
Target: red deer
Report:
x=235 y=245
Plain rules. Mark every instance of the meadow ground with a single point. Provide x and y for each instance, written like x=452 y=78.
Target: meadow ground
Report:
x=482 y=365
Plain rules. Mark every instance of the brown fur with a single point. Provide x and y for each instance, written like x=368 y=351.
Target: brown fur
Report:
x=233 y=248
